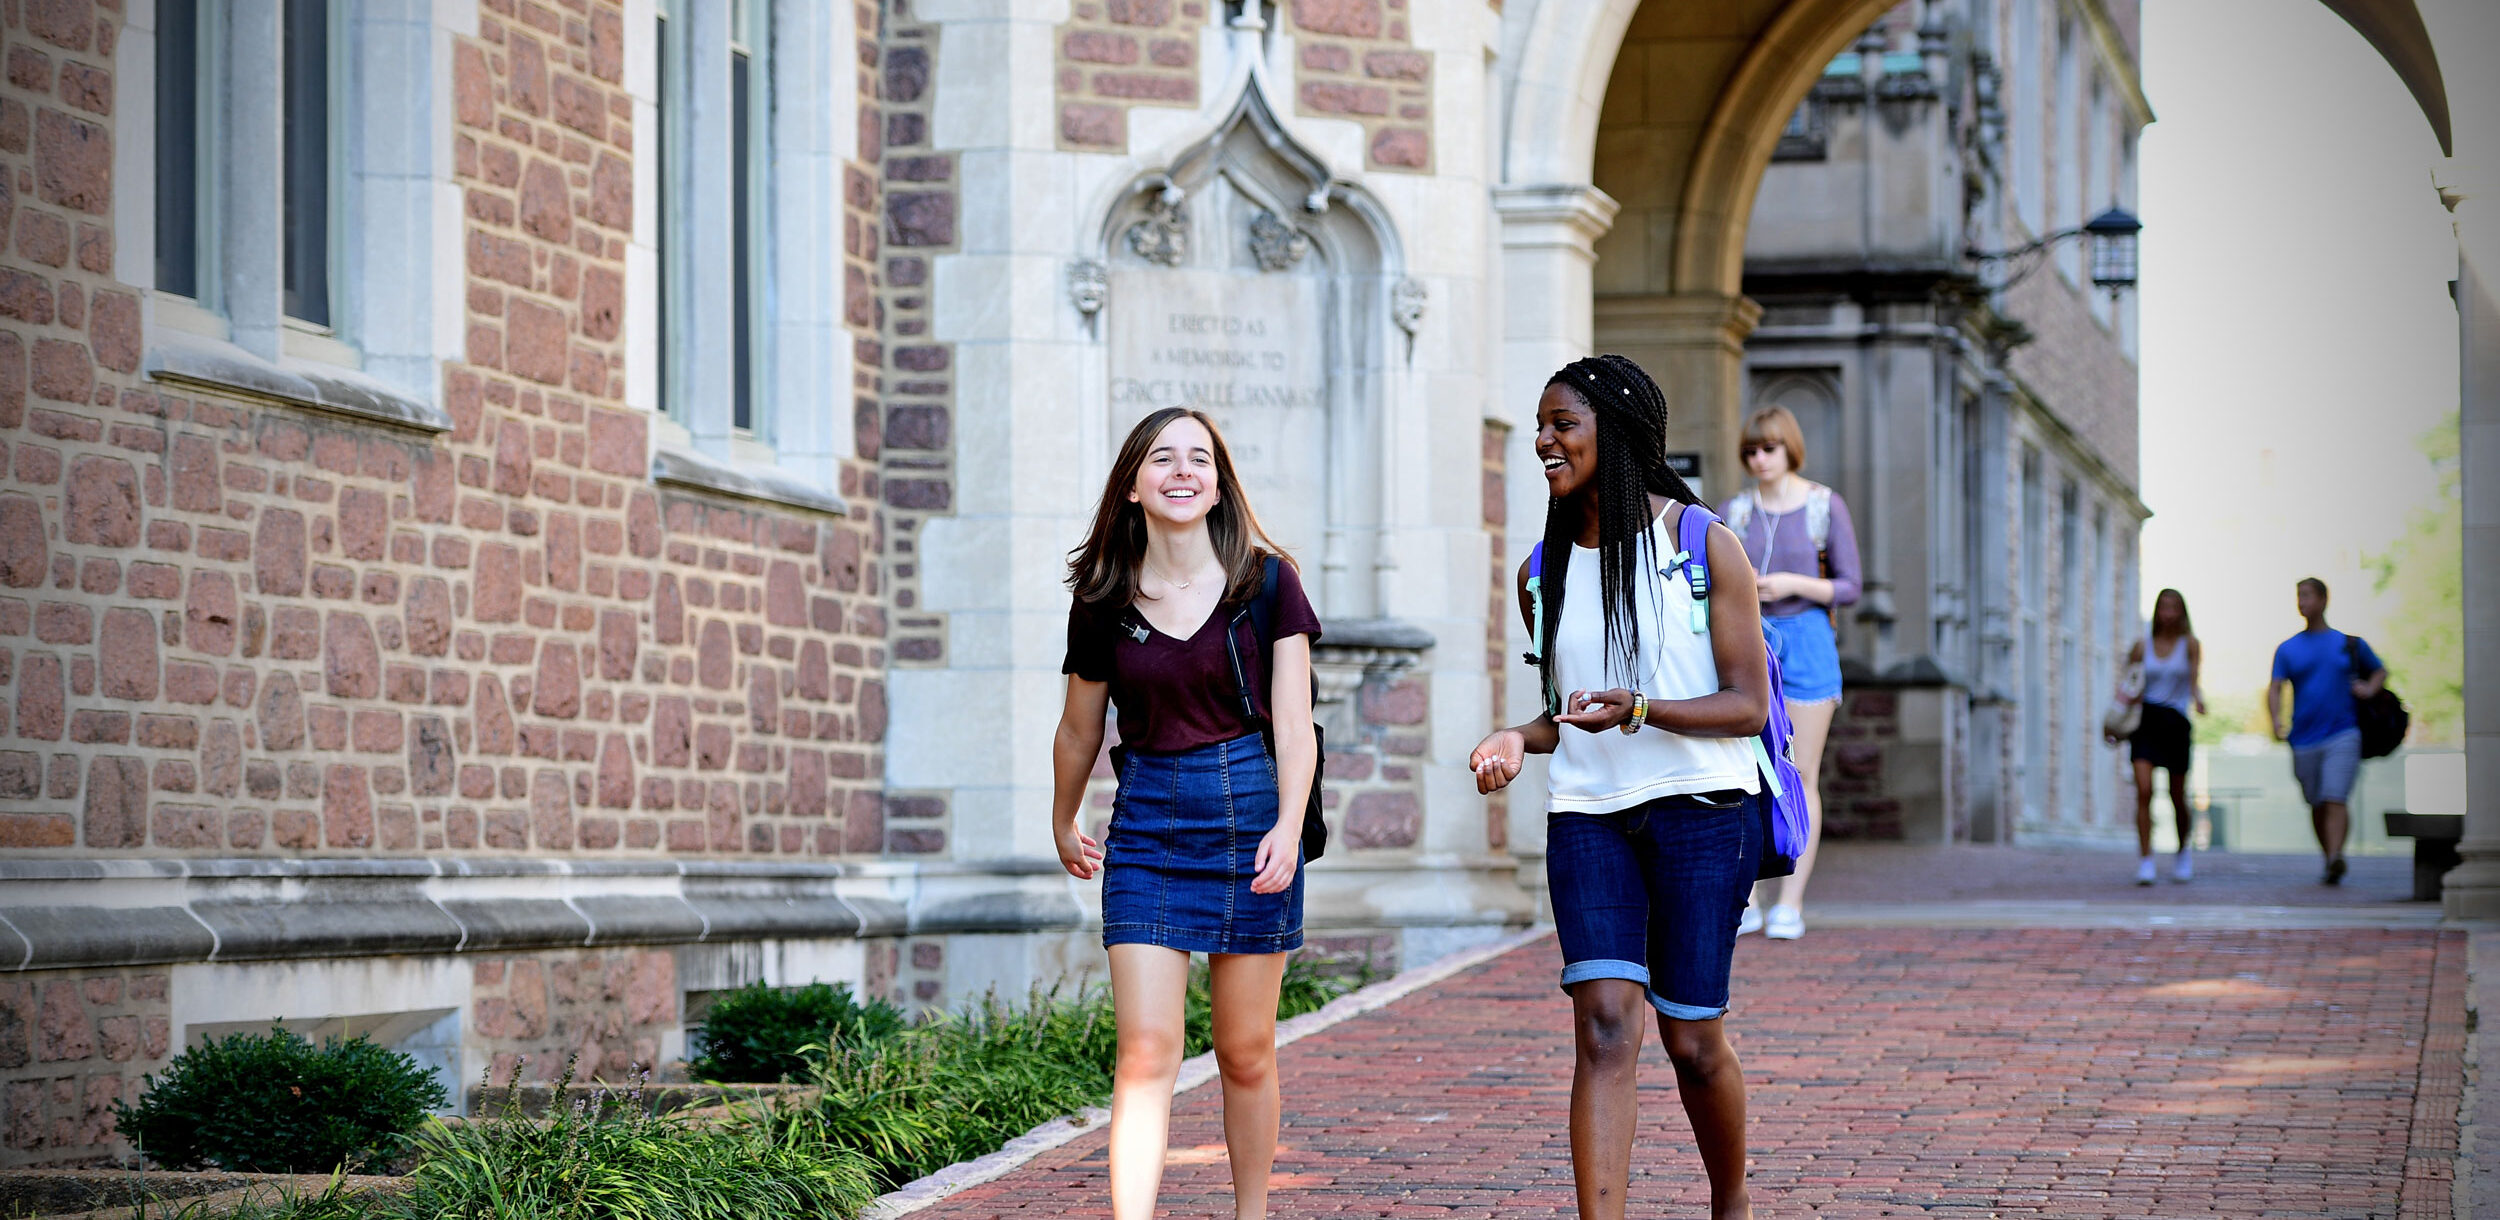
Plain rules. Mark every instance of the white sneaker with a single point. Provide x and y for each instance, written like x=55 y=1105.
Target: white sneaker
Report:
x=1750 y=922
x=1785 y=923
x=2181 y=869
x=2144 y=871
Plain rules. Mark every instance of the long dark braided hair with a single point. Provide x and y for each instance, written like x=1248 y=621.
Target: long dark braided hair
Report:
x=1631 y=415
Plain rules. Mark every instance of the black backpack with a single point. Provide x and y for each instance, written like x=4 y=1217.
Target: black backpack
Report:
x=1262 y=615
x=2382 y=716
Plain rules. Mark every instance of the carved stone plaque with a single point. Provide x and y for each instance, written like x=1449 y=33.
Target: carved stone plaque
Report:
x=1248 y=349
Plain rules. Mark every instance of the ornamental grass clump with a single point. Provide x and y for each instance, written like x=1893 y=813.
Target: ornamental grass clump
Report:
x=607 y=1157
x=958 y=1085
x=761 y=1035
x=275 y=1103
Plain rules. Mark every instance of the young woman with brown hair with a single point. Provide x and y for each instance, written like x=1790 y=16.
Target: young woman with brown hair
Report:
x=2173 y=659
x=1799 y=536
x=1204 y=850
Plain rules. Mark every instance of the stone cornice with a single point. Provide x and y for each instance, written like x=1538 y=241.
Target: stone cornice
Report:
x=1554 y=214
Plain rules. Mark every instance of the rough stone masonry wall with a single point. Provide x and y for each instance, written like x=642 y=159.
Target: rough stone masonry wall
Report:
x=71 y=1044
x=916 y=442
x=240 y=628
x=1358 y=62
x=1114 y=54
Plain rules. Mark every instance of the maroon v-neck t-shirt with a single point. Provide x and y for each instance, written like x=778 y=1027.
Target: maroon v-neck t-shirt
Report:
x=1175 y=694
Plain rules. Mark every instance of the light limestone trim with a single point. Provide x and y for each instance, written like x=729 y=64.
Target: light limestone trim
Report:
x=769 y=484
x=183 y=358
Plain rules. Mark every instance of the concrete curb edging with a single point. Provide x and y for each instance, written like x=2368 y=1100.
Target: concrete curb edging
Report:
x=1195 y=1071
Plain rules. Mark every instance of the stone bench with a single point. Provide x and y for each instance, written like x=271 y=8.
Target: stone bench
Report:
x=2434 y=838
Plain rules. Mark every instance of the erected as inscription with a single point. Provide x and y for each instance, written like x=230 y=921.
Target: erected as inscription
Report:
x=1249 y=350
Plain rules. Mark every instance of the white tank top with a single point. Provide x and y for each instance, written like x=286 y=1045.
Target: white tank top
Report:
x=2166 y=679
x=1608 y=772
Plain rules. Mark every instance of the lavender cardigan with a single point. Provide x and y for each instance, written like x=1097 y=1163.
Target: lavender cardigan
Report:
x=1790 y=549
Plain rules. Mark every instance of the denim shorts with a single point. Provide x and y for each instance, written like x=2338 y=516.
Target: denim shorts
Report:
x=1181 y=851
x=1652 y=894
x=1809 y=655
x=2326 y=770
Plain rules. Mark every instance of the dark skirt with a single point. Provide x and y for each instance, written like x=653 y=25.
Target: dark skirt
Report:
x=2162 y=738
x=1182 y=848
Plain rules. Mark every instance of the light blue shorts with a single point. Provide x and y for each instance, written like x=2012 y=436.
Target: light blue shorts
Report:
x=2326 y=770
x=1808 y=654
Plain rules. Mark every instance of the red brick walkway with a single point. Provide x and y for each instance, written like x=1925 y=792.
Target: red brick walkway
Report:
x=1896 y=1072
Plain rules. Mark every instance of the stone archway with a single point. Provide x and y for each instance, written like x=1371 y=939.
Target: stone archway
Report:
x=1741 y=67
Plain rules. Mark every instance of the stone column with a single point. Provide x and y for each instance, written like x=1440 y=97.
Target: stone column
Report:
x=2473 y=887
x=1549 y=246
x=1694 y=344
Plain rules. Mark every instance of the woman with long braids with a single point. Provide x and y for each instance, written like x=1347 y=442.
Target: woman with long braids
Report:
x=1653 y=828
x=1204 y=852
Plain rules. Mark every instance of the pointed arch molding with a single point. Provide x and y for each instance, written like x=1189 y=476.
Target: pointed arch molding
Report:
x=2394 y=28
x=1245 y=277
x=1290 y=180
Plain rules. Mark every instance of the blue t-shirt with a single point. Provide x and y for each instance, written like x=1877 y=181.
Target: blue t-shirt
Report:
x=2321 y=677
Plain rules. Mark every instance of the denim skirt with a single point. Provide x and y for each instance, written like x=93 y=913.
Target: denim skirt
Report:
x=1182 y=848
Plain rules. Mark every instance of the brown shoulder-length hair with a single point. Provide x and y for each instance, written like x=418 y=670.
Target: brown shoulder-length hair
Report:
x=1102 y=570
x=1774 y=425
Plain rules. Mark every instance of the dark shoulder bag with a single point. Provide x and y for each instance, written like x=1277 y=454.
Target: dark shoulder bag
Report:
x=1261 y=612
x=2382 y=716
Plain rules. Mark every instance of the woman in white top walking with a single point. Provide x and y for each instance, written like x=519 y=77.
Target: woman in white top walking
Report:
x=1654 y=830
x=2172 y=659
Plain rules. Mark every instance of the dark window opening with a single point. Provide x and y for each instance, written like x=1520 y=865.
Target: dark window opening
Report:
x=741 y=342
x=177 y=149
x=306 y=201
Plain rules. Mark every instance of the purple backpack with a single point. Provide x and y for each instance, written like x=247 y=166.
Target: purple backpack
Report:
x=1786 y=808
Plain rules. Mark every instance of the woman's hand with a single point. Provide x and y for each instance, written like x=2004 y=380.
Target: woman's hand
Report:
x=1280 y=853
x=1773 y=586
x=1078 y=852
x=2200 y=703
x=1498 y=758
x=1597 y=710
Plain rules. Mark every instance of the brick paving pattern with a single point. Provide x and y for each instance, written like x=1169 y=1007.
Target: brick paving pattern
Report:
x=2032 y=1073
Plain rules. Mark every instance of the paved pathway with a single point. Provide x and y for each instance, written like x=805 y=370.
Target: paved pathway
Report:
x=2029 y=1072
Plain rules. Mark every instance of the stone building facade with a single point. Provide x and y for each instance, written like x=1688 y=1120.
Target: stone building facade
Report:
x=516 y=515
x=1979 y=415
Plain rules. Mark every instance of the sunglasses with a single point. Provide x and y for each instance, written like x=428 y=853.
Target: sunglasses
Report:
x=1765 y=447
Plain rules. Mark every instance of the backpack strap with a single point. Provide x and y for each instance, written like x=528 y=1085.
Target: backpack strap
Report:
x=1536 y=626
x=1261 y=613
x=1692 y=540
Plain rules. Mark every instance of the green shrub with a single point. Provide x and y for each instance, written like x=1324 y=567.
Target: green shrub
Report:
x=608 y=1158
x=760 y=1034
x=275 y=1103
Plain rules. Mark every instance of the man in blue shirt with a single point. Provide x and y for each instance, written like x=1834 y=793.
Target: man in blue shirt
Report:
x=2329 y=673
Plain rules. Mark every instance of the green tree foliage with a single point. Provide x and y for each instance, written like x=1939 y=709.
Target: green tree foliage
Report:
x=2425 y=567
x=278 y=1104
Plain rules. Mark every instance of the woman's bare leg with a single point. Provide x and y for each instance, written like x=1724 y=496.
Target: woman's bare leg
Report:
x=2144 y=806
x=1149 y=986
x=1606 y=1019
x=1814 y=725
x=1245 y=986
x=1712 y=1085
x=2180 y=813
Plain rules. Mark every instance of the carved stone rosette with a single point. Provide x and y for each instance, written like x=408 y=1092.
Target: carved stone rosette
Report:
x=1277 y=245
x=1163 y=236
